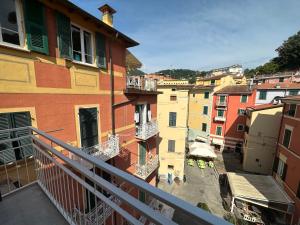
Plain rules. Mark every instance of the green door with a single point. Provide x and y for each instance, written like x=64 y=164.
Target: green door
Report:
x=88 y=127
x=142 y=153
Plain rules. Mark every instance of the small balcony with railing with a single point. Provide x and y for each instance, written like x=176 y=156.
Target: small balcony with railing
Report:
x=220 y=118
x=144 y=171
x=140 y=85
x=146 y=130
x=221 y=101
x=37 y=172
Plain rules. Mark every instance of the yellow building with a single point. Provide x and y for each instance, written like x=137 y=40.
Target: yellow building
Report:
x=172 y=110
x=261 y=133
x=199 y=114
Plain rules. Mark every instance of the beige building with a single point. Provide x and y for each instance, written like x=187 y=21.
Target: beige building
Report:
x=172 y=114
x=261 y=134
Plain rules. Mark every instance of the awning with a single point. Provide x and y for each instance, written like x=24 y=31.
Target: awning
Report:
x=201 y=149
x=260 y=190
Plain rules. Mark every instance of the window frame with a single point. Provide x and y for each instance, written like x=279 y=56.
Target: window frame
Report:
x=206 y=93
x=21 y=30
x=260 y=93
x=219 y=110
x=240 y=125
x=83 y=50
x=241 y=100
x=203 y=112
x=283 y=138
x=172 y=113
x=291 y=91
x=173 y=145
x=217 y=130
x=204 y=125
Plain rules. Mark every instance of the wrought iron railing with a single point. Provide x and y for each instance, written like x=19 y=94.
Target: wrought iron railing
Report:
x=143 y=171
x=221 y=103
x=82 y=195
x=147 y=130
x=141 y=83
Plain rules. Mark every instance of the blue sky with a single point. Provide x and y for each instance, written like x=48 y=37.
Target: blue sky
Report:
x=203 y=34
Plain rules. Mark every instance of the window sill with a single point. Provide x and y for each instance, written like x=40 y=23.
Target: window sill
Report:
x=85 y=64
x=15 y=47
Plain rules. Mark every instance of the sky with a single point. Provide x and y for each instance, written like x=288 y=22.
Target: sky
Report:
x=202 y=34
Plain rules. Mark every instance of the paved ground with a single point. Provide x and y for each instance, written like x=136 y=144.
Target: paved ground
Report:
x=228 y=162
x=29 y=206
x=200 y=186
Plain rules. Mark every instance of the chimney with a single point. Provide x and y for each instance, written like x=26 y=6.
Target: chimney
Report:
x=107 y=14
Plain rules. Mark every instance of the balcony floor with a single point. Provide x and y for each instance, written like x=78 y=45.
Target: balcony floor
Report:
x=29 y=206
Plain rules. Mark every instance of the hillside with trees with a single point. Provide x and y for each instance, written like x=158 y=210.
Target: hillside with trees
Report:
x=288 y=59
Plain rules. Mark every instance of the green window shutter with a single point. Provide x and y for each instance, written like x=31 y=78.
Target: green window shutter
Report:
x=100 y=51
x=7 y=154
x=205 y=110
x=64 y=35
x=37 y=39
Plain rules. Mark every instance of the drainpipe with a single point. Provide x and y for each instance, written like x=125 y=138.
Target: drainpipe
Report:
x=112 y=97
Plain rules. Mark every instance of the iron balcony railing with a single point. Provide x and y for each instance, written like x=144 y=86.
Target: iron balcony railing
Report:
x=105 y=150
x=141 y=83
x=103 y=194
x=143 y=171
x=221 y=103
x=146 y=130
x=220 y=118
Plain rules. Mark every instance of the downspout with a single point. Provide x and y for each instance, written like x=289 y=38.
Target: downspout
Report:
x=112 y=97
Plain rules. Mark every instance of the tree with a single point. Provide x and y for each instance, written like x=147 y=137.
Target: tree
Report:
x=289 y=53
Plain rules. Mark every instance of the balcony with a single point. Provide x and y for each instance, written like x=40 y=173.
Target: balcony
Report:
x=147 y=130
x=140 y=85
x=105 y=150
x=70 y=193
x=220 y=118
x=221 y=103
x=143 y=171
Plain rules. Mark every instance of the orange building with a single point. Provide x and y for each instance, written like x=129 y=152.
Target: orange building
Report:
x=228 y=116
x=63 y=71
x=286 y=166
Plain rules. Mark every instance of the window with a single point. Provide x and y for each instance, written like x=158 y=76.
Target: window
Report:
x=281 y=169
x=222 y=98
x=171 y=145
x=287 y=137
x=170 y=167
x=194 y=95
x=241 y=112
x=244 y=98
x=292 y=110
x=10 y=25
x=204 y=127
x=142 y=196
x=293 y=92
x=172 y=119
x=206 y=95
x=219 y=130
x=281 y=79
x=205 y=110
x=173 y=89
x=220 y=113
x=173 y=98
x=262 y=95
x=240 y=127
x=212 y=82
x=82 y=45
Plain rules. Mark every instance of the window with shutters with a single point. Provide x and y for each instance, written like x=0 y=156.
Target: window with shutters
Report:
x=173 y=98
x=11 y=32
x=64 y=35
x=281 y=169
x=205 y=110
x=171 y=145
x=16 y=149
x=292 y=110
x=287 y=137
x=220 y=113
x=204 y=127
x=88 y=120
x=244 y=98
x=293 y=92
x=172 y=119
x=206 y=95
x=82 y=47
x=262 y=95
x=219 y=130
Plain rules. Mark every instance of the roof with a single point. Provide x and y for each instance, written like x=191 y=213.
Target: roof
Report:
x=203 y=87
x=111 y=31
x=293 y=98
x=260 y=189
x=264 y=106
x=217 y=77
x=178 y=86
x=235 y=89
x=267 y=86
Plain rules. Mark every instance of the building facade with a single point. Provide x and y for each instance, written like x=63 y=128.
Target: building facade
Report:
x=199 y=112
x=228 y=116
x=260 y=140
x=64 y=71
x=287 y=162
x=287 y=77
x=172 y=110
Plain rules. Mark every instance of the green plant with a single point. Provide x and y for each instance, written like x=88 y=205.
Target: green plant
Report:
x=229 y=218
x=203 y=206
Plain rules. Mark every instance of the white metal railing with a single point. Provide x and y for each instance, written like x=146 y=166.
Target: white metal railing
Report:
x=143 y=171
x=105 y=150
x=221 y=103
x=220 y=118
x=141 y=83
x=147 y=130
x=84 y=196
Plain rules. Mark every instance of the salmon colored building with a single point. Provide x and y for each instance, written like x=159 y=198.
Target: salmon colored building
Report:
x=286 y=166
x=228 y=116
x=63 y=71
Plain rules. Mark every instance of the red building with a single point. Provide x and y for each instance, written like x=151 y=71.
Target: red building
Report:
x=228 y=116
x=286 y=166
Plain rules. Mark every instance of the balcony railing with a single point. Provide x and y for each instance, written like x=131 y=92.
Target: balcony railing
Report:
x=81 y=195
x=105 y=150
x=147 y=130
x=221 y=103
x=143 y=171
x=141 y=83
x=220 y=118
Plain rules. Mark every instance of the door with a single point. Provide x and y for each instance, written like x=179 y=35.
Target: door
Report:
x=88 y=127
x=142 y=153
